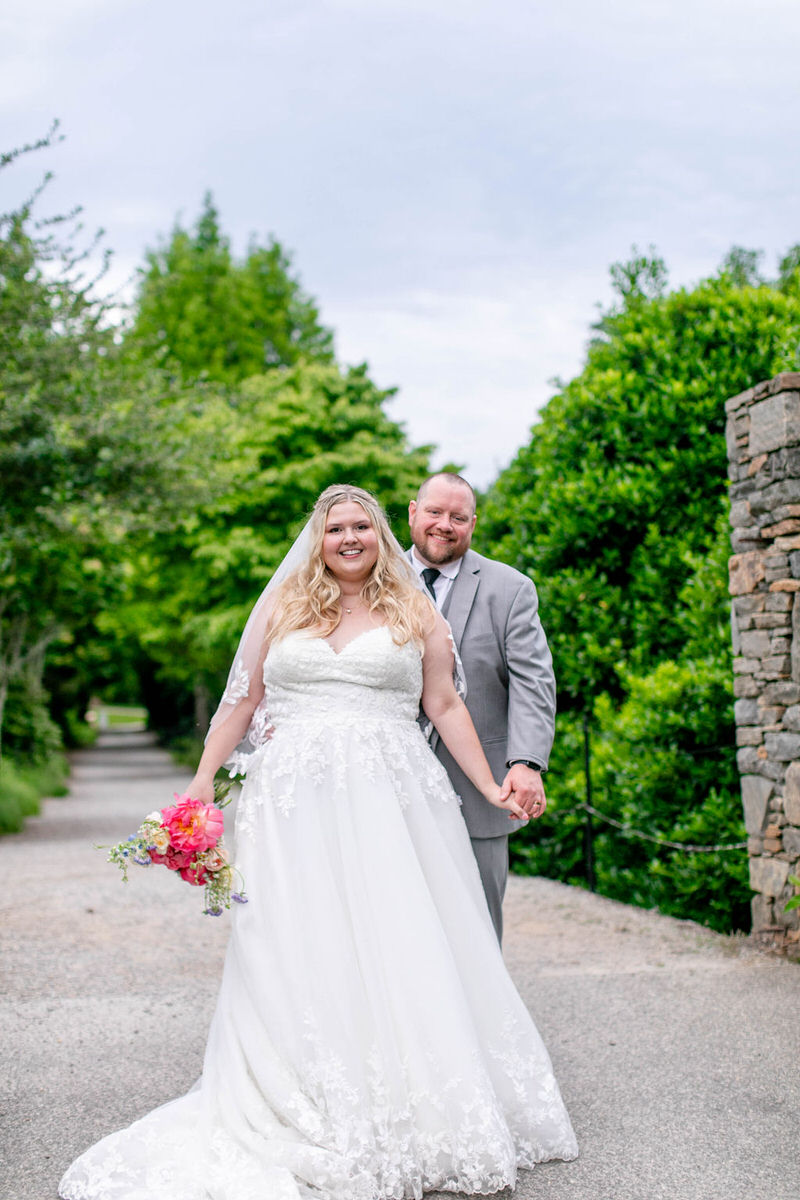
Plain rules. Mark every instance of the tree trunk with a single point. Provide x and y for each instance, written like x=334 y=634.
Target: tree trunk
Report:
x=3 y=698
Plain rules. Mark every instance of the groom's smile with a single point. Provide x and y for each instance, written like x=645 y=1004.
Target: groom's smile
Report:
x=442 y=521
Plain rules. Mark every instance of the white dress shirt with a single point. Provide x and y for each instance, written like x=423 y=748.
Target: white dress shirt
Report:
x=447 y=573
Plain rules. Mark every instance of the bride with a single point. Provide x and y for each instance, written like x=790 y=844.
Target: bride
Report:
x=368 y=1043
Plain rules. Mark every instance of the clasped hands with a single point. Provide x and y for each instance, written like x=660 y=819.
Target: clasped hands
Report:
x=521 y=793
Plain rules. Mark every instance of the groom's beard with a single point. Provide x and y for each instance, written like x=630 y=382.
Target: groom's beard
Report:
x=439 y=551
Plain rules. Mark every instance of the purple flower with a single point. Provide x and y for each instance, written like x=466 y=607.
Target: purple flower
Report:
x=239 y=897
x=212 y=912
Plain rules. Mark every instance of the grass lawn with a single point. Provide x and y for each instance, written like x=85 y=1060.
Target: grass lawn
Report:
x=118 y=716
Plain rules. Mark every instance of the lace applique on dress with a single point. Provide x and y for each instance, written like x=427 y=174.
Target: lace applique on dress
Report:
x=336 y=713
x=368 y=1043
x=239 y=685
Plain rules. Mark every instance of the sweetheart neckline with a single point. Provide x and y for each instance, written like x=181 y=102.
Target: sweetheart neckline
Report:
x=364 y=633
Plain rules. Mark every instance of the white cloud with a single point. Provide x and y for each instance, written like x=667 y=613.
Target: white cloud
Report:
x=454 y=178
x=473 y=371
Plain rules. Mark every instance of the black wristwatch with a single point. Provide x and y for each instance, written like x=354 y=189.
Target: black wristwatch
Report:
x=526 y=762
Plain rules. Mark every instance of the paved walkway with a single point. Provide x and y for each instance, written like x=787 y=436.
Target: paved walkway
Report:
x=678 y=1051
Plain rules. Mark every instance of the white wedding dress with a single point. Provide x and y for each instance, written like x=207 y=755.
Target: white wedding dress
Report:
x=368 y=1042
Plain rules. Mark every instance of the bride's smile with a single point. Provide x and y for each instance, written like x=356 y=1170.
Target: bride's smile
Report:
x=350 y=543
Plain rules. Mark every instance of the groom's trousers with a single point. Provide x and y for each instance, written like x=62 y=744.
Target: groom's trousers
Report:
x=491 y=855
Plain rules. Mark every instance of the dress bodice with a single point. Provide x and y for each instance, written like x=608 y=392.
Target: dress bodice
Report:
x=370 y=678
x=336 y=714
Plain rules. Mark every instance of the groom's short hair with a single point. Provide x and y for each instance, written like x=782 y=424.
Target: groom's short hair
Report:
x=451 y=477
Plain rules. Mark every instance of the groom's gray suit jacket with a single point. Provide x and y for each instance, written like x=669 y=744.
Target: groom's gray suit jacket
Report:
x=493 y=611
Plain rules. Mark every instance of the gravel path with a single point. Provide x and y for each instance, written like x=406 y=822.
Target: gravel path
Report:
x=678 y=1050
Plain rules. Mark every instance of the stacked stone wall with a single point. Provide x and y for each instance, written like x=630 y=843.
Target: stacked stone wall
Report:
x=763 y=436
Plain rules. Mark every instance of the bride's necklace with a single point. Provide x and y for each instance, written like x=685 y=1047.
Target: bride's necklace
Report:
x=359 y=604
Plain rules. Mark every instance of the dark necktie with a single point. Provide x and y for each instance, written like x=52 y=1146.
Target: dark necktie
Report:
x=430 y=575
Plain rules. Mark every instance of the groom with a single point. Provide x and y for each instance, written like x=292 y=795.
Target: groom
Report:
x=493 y=613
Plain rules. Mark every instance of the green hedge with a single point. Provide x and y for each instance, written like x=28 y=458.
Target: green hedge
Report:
x=23 y=787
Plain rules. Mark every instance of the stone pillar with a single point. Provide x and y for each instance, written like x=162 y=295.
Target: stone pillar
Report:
x=763 y=436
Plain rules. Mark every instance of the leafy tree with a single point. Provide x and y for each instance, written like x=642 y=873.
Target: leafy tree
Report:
x=642 y=277
x=205 y=315
x=614 y=509
x=743 y=267
x=164 y=495
x=663 y=762
x=88 y=450
x=289 y=434
x=789 y=270
x=626 y=468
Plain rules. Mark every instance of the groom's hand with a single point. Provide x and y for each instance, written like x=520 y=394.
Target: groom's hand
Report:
x=527 y=787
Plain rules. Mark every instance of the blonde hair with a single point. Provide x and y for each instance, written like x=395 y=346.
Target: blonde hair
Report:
x=310 y=597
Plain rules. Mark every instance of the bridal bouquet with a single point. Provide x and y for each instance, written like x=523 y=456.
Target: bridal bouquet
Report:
x=187 y=838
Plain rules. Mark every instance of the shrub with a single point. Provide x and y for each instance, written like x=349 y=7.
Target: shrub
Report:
x=18 y=798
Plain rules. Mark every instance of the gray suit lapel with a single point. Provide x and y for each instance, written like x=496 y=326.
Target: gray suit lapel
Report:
x=461 y=596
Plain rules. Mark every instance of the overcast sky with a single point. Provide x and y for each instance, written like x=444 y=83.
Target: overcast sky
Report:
x=453 y=177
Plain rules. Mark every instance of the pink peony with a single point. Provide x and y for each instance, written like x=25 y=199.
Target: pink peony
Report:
x=173 y=860
x=194 y=875
x=193 y=826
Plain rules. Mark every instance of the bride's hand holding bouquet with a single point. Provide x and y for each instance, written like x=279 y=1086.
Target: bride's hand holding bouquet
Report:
x=202 y=788
x=186 y=837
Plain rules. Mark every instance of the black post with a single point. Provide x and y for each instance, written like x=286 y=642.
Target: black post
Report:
x=588 y=830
